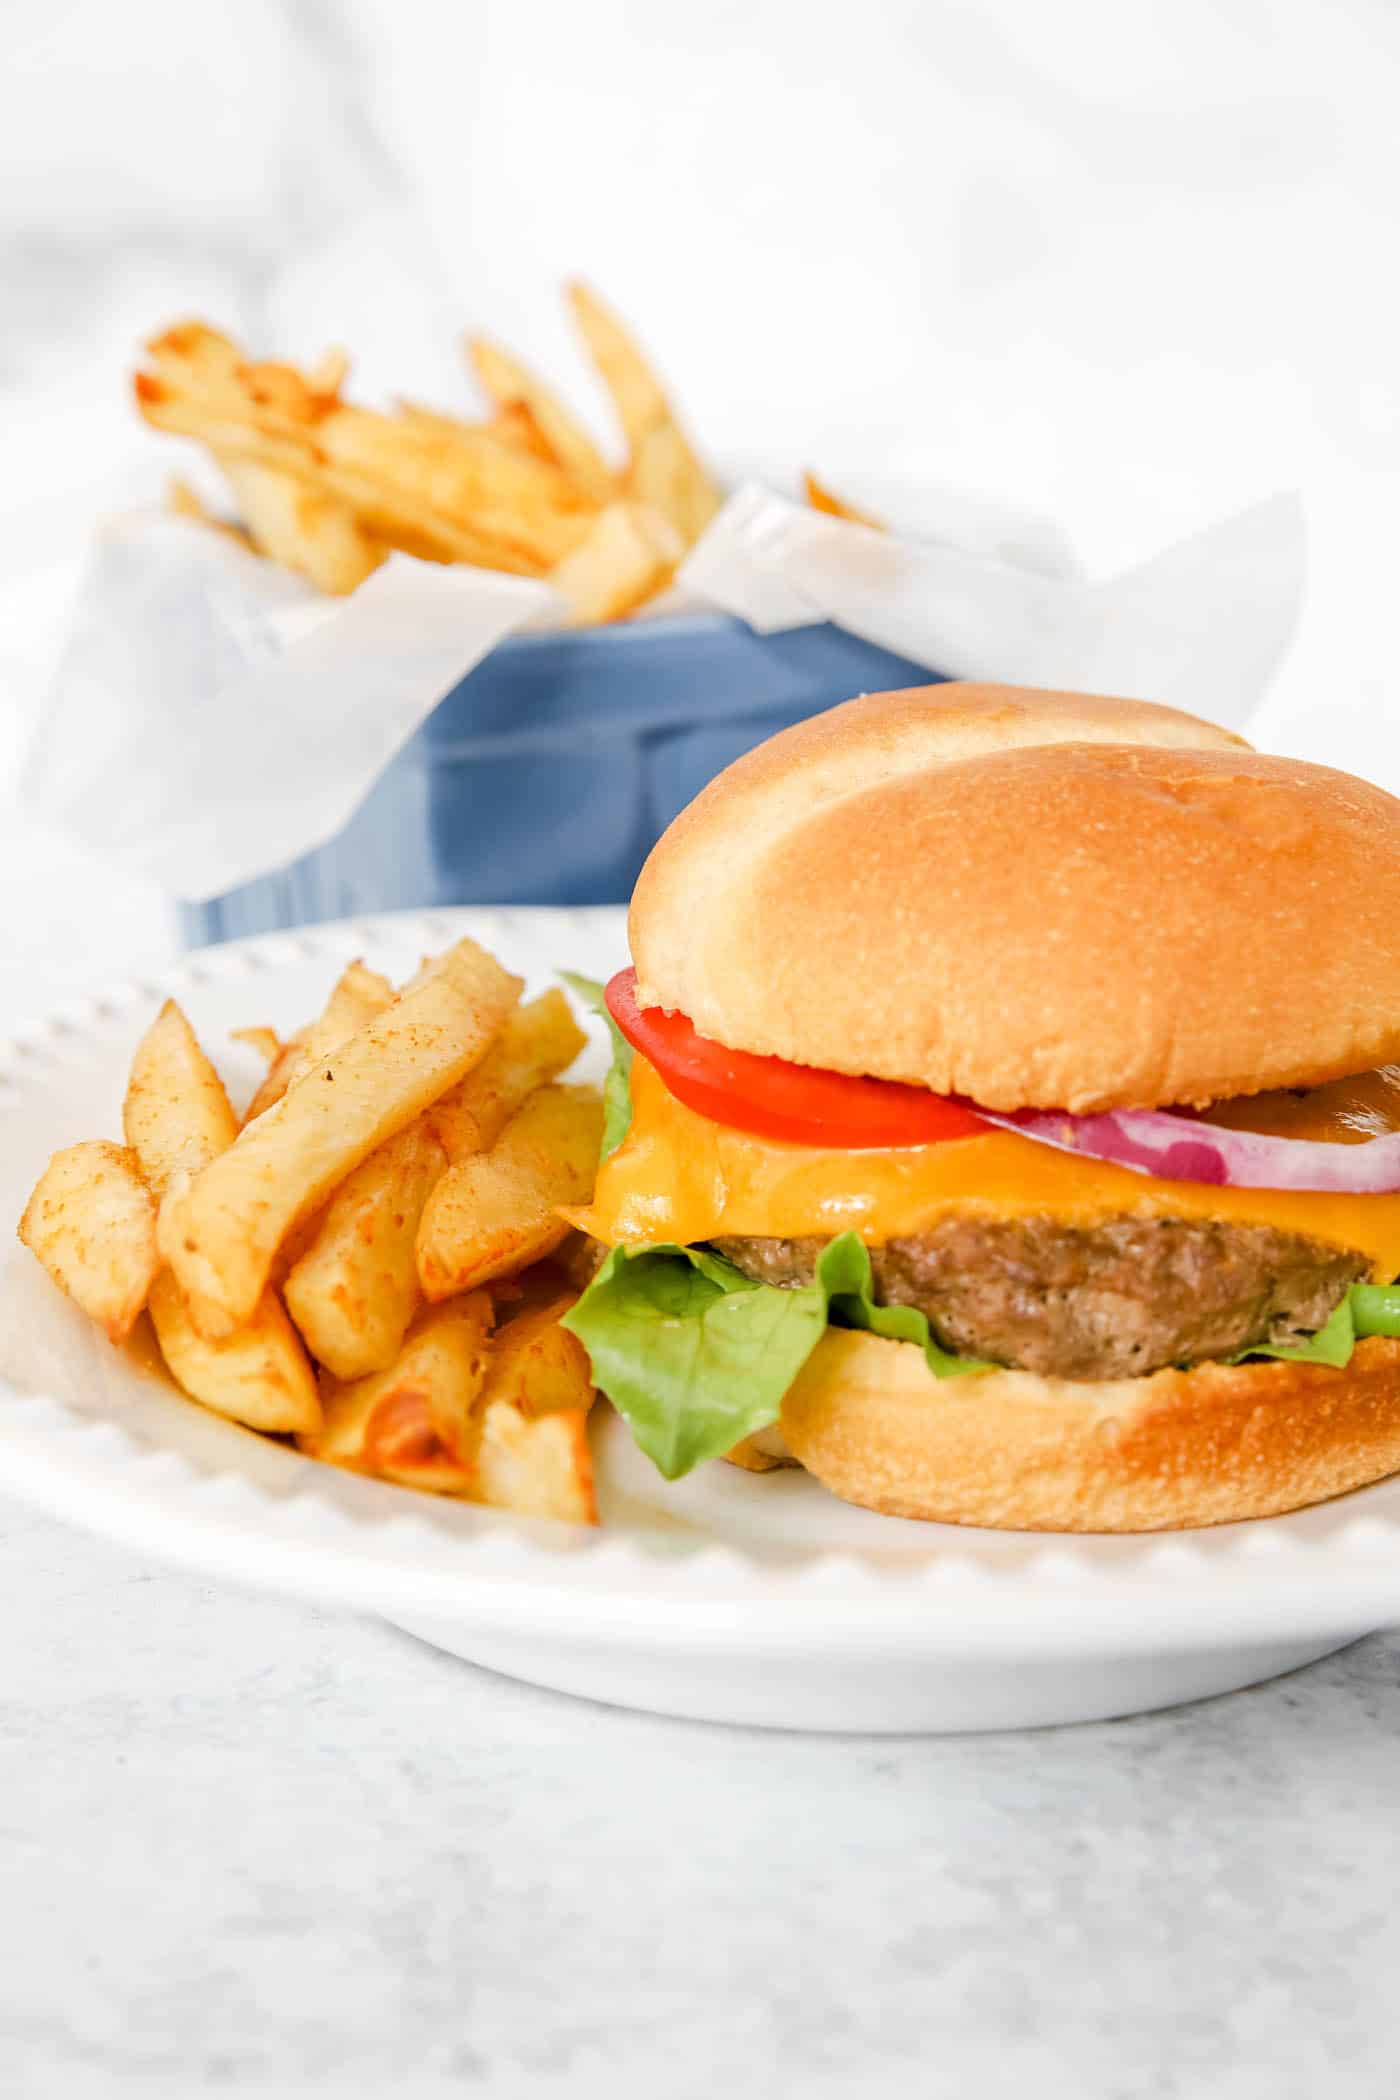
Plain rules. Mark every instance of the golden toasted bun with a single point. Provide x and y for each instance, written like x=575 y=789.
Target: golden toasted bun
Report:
x=1032 y=899
x=1182 y=1448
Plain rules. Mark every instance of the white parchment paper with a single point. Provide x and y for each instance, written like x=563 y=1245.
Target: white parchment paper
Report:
x=212 y=718
x=1202 y=626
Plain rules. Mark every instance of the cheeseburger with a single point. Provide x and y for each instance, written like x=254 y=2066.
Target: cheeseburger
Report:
x=1002 y=1124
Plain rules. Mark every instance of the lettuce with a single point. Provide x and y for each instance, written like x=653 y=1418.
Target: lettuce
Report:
x=697 y=1355
x=1368 y=1308
x=617 y=1087
x=1375 y=1308
x=1331 y=1344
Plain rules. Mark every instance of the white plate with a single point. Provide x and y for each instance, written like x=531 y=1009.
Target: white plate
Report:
x=727 y=1596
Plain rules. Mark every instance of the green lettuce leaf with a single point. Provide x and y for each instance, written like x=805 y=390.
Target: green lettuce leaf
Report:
x=617 y=1087
x=1375 y=1308
x=1368 y=1308
x=696 y=1355
x=1331 y=1344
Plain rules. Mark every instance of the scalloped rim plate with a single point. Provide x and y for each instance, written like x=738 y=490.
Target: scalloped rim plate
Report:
x=728 y=1595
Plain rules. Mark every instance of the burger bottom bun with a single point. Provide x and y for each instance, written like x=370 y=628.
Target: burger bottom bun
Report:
x=1019 y=1453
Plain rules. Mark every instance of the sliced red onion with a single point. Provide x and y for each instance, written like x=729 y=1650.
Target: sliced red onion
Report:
x=1178 y=1148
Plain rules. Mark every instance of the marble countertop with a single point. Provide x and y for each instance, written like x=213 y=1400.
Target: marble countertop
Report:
x=249 y=1848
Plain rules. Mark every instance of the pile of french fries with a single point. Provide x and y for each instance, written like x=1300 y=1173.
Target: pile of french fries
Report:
x=370 y=1260
x=327 y=488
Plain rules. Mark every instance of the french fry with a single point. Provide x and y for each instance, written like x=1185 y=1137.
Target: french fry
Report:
x=513 y=423
x=669 y=480
x=265 y=1041
x=290 y=1059
x=177 y=1119
x=176 y=1115
x=537 y=1366
x=91 y=1221
x=357 y=996
x=184 y=501
x=537 y=1466
x=750 y=1457
x=496 y=1211
x=465 y=489
x=394 y=514
x=316 y=535
x=637 y=393
x=413 y=1423
x=510 y=383
x=259 y=1376
x=222 y=1232
x=824 y=499
x=355 y=1289
x=538 y=1042
x=516 y=423
x=330 y=372
x=629 y=555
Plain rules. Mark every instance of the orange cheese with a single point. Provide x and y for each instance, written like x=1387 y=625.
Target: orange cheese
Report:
x=678 y=1176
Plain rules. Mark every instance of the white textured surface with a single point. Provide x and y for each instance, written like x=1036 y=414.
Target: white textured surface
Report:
x=249 y=1849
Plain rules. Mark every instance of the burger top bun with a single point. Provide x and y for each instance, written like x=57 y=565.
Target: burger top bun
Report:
x=1031 y=899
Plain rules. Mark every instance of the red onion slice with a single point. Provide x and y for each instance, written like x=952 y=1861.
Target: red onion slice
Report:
x=1178 y=1148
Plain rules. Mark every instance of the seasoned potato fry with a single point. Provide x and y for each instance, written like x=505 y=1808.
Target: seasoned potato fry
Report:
x=464 y=492
x=414 y=1422
x=176 y=1115
x=358 y=995
x=629 y=555
x=536 y=1466
x=397 y=516
x=496 y=1211
x=668 y=479
x=538 y=1366
x=266 y=1041
x=186 y=502
x=511 y=384
x=823 y=499
x=260 y=1376
x=290 y=1059
x=177 y=1118
x=538 y=1042
x=355 y=1289
x=91 y=1221
x=750 y=1457
x=328 y=488
x=330 y=372
x=637 y=393
x=316 y=535
x=516 y=424
x=221 y=1233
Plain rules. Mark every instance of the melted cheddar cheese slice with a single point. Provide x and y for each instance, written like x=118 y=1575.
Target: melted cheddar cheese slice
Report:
x=678 y=1176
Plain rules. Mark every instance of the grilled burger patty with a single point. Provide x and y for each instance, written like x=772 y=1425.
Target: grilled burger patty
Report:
x=1113 y=1300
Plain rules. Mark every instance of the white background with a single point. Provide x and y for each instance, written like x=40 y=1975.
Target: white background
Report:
x=1132 y=265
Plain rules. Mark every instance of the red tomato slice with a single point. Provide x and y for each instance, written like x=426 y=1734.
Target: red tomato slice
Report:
x=776 y=1099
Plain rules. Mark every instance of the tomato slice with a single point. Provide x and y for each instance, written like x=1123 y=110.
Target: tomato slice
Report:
x=798 y=1103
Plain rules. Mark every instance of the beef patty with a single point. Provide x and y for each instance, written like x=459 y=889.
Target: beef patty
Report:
x=1112 y=1300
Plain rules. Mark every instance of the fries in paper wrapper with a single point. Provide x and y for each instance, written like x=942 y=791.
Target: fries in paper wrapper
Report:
x=361 y=561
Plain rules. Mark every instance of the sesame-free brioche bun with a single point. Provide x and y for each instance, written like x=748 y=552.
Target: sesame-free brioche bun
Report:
x=1213 y=1445
x=1033 y=900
